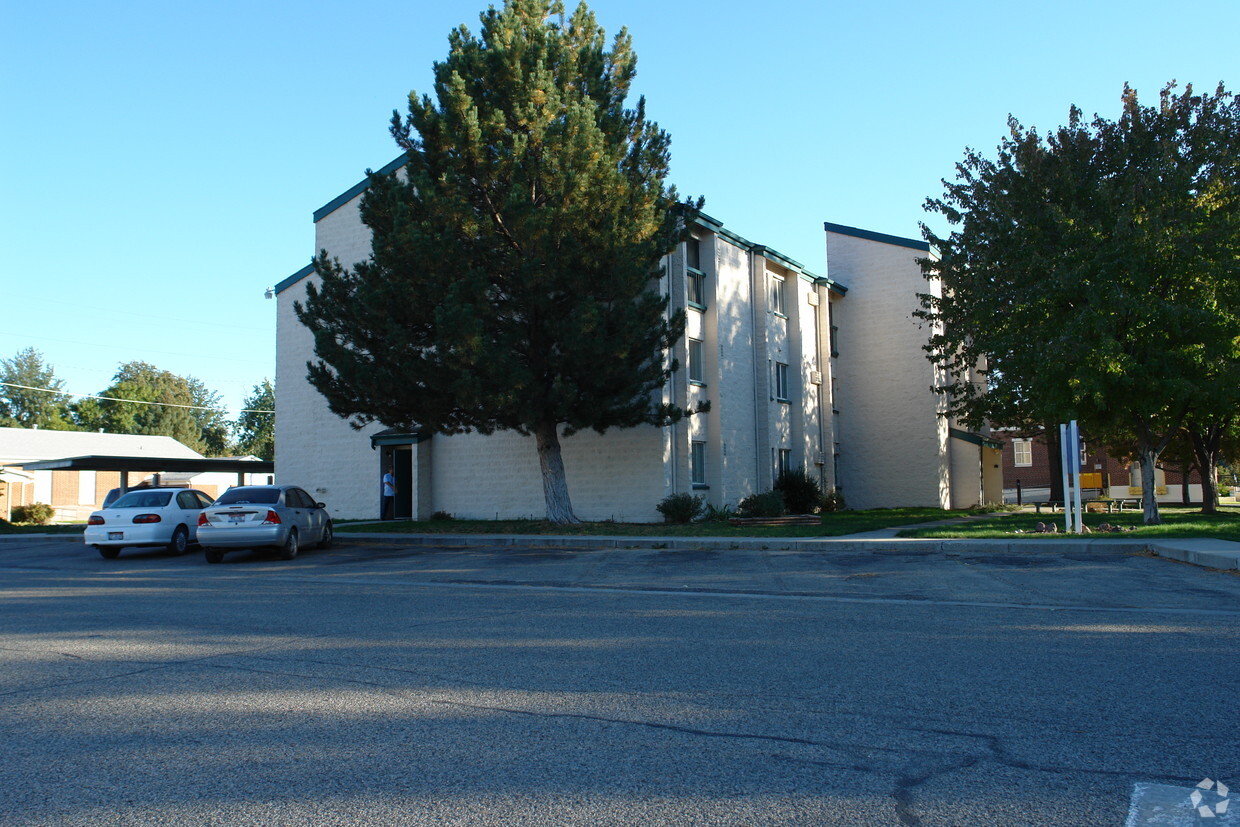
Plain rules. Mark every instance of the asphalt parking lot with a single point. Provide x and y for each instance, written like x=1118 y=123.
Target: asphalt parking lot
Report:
x=380 y=684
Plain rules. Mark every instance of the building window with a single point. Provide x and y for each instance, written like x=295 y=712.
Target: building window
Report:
x=697 y=278
x=777 y=295
x=781 y=382
x=781 y=461
x=1023 y=450
x=697 y=289
x=834 y=331
x=695 y=361
x=697 y=463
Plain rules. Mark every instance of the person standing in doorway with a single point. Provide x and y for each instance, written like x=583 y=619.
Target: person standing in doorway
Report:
x=389 y=494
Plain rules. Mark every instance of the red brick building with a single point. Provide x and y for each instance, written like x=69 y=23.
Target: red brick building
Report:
x=1027 y=465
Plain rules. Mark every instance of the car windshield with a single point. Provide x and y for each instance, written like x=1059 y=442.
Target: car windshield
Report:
x=143 y=499
x=240 y=496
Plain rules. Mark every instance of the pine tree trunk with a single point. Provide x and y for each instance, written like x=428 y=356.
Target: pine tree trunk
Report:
x=1148 y=458
x=555 y=483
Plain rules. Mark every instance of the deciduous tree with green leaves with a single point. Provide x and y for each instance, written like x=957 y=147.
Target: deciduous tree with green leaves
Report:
x=24 y=398
x=187 y=411
x=512 y=283
x=256 y=426
x=1093 y=274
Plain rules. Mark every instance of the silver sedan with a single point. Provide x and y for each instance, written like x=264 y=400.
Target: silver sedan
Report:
x=263 y=516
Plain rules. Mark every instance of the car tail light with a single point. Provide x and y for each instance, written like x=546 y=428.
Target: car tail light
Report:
x=272 y=518
x=95 y=519
x=202 y=518
x=147 y=518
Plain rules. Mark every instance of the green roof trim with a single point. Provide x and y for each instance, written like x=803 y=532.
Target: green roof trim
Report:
x=356 y=190
x=870 y=235
x=395 y=436
x=976 y=439
x=715 y=226
x=293 y=279
x=703 y=220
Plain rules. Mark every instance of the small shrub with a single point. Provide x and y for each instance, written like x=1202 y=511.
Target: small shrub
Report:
x=802 y=493
x=680 y=508
x=769 y=504
x=718 y=514
x=442 y=516
x=35 y=513
x=833 y=500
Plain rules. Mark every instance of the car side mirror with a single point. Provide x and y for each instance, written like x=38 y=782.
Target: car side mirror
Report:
x=320 y=505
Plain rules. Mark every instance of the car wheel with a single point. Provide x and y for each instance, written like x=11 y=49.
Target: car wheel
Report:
x=179 y=542
x=108 y=553
x=289 y=550
x=214 y=555
x=326 y=540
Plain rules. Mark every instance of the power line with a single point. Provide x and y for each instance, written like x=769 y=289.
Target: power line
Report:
x=134 y=401
x=125 y=346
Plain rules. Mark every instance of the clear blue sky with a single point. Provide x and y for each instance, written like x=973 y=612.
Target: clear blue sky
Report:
x=161 y=160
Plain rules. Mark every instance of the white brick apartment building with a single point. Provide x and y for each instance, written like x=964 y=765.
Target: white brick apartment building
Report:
x=760 y=344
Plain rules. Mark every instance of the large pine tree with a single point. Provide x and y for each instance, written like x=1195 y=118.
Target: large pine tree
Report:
x=513 y=275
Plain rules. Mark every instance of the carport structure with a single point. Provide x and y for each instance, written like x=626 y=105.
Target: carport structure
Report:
x=148 y=464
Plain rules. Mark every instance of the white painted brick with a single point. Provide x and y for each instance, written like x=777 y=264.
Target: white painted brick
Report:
x=894 y=446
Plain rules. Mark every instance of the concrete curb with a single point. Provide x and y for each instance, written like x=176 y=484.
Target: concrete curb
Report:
x=825 y=544
x=38 y=538
x=1216 y=554
x=1216 y=558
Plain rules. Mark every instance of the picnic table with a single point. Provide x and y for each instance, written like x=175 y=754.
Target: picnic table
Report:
x=1113 y=506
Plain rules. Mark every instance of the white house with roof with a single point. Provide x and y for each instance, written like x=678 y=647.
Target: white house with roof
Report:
x=762 y=344
x=114 y=461
x=74 y=494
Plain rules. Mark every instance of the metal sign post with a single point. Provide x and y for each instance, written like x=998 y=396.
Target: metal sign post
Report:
x=1076 y=476
x=1070 y=456
x=1063 y=466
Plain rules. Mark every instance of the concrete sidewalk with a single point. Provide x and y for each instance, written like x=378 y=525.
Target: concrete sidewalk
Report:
x=1207 y=552
x=1210 y=553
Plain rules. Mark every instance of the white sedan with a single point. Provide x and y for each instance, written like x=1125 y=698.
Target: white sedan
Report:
x=166 y=517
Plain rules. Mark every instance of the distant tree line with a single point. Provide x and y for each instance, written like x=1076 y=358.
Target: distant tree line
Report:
x=181 y=407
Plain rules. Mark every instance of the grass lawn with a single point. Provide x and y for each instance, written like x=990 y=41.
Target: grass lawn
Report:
x=833 y=525
x=1177 y=522
x=27 y=528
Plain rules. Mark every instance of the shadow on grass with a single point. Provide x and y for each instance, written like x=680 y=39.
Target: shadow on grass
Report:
x=835 y=524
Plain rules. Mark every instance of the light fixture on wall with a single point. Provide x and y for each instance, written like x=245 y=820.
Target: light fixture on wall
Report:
x=270 y=293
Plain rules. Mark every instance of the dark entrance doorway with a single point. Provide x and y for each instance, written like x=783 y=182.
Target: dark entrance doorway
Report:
x=402 y=461
x=397 y=451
